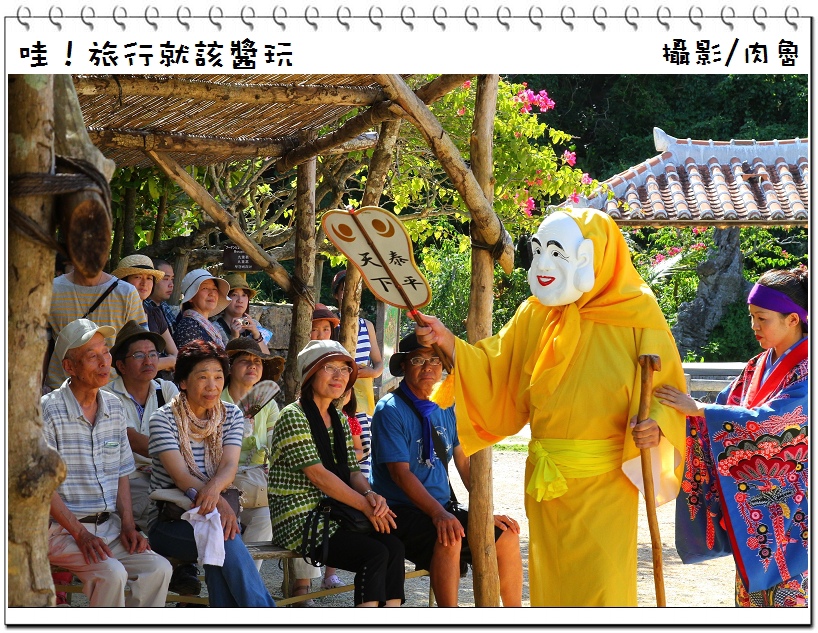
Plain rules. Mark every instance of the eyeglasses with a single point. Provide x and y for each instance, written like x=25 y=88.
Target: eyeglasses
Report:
x=140 y=356
x=251 y=360
x=332 y=369
x=419 y=361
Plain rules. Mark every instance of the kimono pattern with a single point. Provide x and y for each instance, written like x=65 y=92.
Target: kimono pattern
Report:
x=745 y=486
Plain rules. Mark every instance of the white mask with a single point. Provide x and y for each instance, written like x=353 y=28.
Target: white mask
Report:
x=562 y=268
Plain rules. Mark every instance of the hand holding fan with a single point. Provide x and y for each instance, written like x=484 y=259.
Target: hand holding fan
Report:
x=258 y=397
x=377 y=243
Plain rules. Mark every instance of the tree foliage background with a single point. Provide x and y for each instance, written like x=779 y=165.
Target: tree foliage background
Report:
x=556 y=136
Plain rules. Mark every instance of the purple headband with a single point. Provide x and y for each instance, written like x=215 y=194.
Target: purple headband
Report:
x=771 y=299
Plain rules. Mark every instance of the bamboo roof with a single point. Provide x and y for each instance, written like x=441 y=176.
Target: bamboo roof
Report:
x=206 y=119
x=721 y=183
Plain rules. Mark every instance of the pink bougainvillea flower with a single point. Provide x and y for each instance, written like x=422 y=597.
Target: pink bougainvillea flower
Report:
x=467 y=84
x=569 y=157
x=461 y=112
x=528 y=207
x=698 y=230
x=698 y=246
x=658 y=259
x=586 y=179
x=574 y=197
x=784 y=253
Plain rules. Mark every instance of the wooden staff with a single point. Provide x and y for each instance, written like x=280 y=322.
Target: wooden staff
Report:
x=650 y=363
x=412 y=310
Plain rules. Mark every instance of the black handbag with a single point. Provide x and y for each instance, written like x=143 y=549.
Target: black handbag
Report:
x=169 y=511
x=315 y=538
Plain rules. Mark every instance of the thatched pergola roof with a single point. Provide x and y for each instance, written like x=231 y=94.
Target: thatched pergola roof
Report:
x=206 y=119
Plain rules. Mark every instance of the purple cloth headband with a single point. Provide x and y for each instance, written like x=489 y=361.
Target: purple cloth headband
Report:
x=771 y=299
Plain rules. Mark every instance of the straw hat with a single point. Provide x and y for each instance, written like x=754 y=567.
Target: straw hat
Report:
x=194 y=279
x=131 y=330
x=78 y=333
x=273 y=365
x=323 y=313
x=316 y=353
x=238 y=280
x=137 y=265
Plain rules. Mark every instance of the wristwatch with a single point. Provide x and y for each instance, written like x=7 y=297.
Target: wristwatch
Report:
x=368 y=492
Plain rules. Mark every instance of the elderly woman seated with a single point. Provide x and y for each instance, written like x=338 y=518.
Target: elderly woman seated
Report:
x=195 y=442
x=312 y=458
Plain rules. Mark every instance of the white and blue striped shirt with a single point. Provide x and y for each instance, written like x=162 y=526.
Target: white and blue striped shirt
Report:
x=96 y=454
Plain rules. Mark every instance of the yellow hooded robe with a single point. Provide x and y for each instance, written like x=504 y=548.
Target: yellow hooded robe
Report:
x=572 y=373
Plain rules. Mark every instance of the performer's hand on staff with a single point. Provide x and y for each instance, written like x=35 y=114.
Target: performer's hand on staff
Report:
x=675 y=399
x=435 y=332
x=505 y=522
x=646 y=434
x=449 y=529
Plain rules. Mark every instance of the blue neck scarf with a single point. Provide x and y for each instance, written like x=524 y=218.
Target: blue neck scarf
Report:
x=425 y=408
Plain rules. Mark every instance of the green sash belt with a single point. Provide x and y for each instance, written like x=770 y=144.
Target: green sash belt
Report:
x=554 y=460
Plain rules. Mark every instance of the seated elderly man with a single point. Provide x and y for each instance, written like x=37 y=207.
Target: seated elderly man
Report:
x=135 y=355
x=413 y=440
x=92 y=532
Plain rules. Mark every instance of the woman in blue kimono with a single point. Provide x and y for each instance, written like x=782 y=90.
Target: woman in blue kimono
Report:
x=746 y=463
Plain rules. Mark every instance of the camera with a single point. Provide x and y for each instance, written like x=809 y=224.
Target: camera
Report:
x=245 y=321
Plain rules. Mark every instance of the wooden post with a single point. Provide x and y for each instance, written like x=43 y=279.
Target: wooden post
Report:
x=303 y=272
x=478 y=326
x=319 y=273
x=179 y=272
x=226 y=222
x=378 y=170
x=34 y=470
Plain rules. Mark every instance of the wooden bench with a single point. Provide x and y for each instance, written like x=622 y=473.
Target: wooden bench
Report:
x=263 y=551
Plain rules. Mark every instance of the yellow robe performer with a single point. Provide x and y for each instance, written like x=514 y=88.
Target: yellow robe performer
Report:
x=572 y=373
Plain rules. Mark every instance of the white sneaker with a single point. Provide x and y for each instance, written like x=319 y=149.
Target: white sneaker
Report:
x=331 y=582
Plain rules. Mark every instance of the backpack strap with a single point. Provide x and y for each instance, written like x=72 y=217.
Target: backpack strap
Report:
x=101 y=298
x=160 y=397
x=437 y=443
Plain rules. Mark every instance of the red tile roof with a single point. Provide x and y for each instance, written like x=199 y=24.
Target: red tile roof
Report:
x=721 y=183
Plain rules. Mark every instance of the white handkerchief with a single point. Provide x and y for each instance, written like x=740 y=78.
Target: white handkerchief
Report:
x=207 y=530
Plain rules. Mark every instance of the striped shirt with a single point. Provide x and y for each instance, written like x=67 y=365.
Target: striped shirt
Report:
x=70 y=301
x=292 y=494
x=165 y=437
x=136 y=419
x=96 y=454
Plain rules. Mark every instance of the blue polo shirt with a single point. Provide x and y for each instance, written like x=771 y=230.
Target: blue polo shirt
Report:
x=397 y=437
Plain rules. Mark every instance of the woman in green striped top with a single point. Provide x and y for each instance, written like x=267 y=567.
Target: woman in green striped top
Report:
x=312 y=458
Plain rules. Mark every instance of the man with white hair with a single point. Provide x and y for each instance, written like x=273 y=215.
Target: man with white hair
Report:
x=92 y=531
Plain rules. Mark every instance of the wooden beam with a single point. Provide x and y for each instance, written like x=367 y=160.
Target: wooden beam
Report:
x=226 y=222
x=483 y=215
x=303 y=274
x=262 y=147
x=160 y=142
x=171 y=87
x=478 y=326
x=377 y=114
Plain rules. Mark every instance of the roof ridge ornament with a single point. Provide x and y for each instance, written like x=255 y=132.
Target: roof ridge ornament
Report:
x=662 y=140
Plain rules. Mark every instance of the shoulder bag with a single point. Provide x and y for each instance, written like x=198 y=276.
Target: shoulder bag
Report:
x=315 y=538
x=253 y=485
x=172 y=503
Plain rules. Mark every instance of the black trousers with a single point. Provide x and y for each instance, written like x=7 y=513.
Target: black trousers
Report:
x=376 y=559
